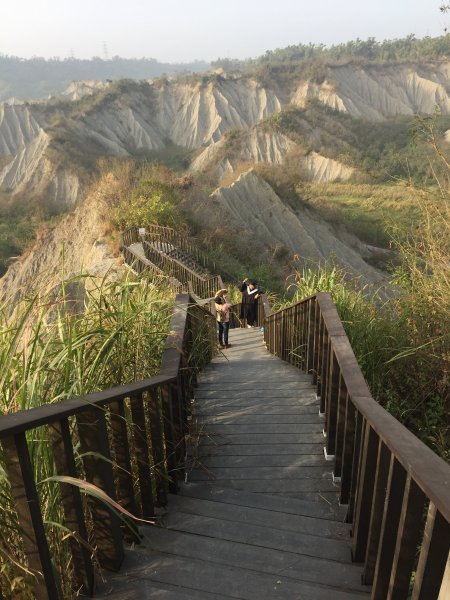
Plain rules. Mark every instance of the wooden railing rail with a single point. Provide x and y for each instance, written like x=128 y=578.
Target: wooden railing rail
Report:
x=132 y=438
x=168 y=238
x=388 y=478
x=203 y=287
x=135 y=262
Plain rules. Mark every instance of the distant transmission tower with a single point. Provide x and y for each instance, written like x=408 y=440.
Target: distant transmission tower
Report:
x=105 y=51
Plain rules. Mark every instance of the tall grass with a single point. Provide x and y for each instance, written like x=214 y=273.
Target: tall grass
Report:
x=53 y=348
x=402 y=346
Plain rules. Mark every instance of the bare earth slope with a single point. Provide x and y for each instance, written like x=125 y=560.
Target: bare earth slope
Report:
x=41 y=144
x=375 y=92
x=77 y=243
x=252 y=204
x=195 y=114
x=263 y=145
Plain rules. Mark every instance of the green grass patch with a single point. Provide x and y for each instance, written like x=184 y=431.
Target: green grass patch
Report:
x=371 y=212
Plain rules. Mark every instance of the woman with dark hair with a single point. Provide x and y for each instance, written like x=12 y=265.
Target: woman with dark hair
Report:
x=222 y=307
x=249 y=303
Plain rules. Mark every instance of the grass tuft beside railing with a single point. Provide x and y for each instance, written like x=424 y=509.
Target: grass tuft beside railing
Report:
x=401 y=350
x=64 y=344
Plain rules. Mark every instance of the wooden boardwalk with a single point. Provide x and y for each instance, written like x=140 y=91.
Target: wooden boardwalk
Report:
x=258 y=517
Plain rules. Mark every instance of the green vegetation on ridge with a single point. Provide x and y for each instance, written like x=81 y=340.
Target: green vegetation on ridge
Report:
x=312 y=56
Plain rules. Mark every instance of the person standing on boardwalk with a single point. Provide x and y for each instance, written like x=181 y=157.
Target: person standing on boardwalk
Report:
x=249 y=303
x=223 y=317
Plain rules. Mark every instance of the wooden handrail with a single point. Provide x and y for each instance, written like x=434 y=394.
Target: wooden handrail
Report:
x=159 y=407
x=388 y=478
x=180 y=275
x=169 y=235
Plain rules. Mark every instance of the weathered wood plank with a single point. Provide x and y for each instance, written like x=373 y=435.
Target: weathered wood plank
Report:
x=282 y=521
x=314 y=487
x=271 y=460
x=247 y=556
x=263 y=472
x=273 y=503
x=264 y=428
x=240 y=398
x=238 y=418
x=260 y=449
x=260 y=438
x=256 y=386
x=263 y=400
x=216 y=579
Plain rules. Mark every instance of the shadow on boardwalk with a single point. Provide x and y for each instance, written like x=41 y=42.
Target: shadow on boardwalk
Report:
x=258 y=517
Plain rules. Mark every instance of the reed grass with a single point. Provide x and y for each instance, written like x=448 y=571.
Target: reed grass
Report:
x=54 y=348
x=401 y=345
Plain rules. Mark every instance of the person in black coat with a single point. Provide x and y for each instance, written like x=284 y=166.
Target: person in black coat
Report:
x=249 y=303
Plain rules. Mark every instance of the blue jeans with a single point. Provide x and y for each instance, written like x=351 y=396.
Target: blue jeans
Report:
x=223 y=333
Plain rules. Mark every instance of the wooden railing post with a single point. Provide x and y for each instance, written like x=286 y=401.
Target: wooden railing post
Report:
x=318 y=348
x=331 y=392
x=311 y=335
x=159 y=458
x=341 y=418
x=364 y=494
x=23 y=488
x=142 y=452
x=170 y=437
x=389 y=527
x=74 y=518
x=433 y=557
x=320 y=366
x=376 y=512
x=180 y=439
x=407 y=541
x=124 y=477
x=97 y=465
x=356 y=461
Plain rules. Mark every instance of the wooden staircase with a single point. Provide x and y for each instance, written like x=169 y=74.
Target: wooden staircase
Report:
x=258 y=517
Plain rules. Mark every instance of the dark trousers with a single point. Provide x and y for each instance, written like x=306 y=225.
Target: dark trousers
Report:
x=223 y=333
x=251 y=313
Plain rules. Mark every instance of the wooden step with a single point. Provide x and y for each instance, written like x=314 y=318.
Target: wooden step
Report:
x=201 y=564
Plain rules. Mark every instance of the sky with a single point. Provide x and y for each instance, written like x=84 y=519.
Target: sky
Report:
x=187 y=30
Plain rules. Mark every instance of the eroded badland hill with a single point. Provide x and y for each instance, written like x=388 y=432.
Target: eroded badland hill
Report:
x=237 y=135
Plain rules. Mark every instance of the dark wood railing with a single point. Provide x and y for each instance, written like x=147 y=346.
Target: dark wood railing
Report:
x=149 y=443
x=397 y=490
x=203 y=287
x=167 y=238
x=178 y=273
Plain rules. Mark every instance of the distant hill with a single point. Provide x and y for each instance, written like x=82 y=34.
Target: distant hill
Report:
x=347 y=123
x=37 y=78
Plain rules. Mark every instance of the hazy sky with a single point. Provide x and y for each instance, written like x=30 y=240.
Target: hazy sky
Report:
x=184 y=30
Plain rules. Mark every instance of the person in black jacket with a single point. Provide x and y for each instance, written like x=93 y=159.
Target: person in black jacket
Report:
x=249 y=303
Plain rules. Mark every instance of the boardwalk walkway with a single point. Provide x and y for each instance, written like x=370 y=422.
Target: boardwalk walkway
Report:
x=258 y=517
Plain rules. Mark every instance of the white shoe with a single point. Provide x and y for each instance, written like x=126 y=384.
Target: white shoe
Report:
x=249 y=326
